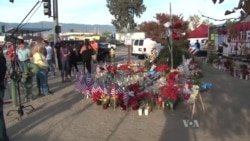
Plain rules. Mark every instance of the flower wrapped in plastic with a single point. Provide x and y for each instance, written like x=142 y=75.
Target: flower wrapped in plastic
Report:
x=194 y=94
x=186 y=92
x=123 y=67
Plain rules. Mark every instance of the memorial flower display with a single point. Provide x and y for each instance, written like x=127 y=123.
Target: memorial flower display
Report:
x=134 y=87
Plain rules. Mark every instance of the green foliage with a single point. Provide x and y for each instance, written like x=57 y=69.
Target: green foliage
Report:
x=105 y=36
x=50 y=37
x=178 y=51
x=212 y=58
x=147 y=64
x=124 y=12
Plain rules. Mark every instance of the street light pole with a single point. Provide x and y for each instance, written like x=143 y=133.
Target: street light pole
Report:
x=55 y=18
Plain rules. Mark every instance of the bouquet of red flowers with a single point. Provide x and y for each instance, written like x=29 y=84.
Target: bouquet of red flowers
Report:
x=96 y=96
x=124 y=67
x=244 y=72
x=170 y=93
x=133 y=87
x=172 y=76
x=111 y=69
x=161 y=68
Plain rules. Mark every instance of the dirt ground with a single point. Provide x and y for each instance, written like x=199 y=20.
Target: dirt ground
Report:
x=66 y=116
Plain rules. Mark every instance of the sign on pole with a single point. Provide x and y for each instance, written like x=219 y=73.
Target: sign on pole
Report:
x=128 y=40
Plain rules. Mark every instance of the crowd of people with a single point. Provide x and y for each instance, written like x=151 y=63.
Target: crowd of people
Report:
x=45 y=58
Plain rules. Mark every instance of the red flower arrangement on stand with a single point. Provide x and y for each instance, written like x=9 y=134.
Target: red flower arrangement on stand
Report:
x=170 y=91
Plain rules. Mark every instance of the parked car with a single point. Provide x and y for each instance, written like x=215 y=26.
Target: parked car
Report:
x=109 y=45
x=103 y=52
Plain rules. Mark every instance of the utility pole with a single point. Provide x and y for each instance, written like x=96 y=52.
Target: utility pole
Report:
x=55 y=18
x=171 y=40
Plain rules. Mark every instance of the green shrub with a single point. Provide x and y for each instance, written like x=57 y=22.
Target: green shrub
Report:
x=164 y=56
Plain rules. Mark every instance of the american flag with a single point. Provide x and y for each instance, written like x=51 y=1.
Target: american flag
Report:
x=89 y=80
x=112 y=92
x=119 y=90
x=79 y=78
x=96 y=88
x=125 y=98
x=83 y=88
x=193 y=49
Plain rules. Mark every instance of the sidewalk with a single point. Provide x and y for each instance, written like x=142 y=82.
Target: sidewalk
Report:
x=66 y=116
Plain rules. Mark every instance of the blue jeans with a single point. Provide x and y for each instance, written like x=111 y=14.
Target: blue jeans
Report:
x=51 y=66
x=65 y=69
x=24 y=63
x=43 y=80
x=3 y=133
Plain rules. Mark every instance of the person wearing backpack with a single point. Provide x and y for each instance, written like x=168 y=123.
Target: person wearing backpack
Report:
x=86 y=53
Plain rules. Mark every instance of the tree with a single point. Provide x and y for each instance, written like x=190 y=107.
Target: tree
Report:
x=105 y=36
x=50 y=37
x=195 y=21
x=243 y=6
x=124 y=12
x=156 y=31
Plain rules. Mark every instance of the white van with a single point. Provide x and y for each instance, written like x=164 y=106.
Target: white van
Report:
x=142 y=47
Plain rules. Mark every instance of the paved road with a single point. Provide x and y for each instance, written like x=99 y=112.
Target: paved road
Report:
x=64 y=116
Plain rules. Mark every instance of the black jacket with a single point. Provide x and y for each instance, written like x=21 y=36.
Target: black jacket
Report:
x=2 y=70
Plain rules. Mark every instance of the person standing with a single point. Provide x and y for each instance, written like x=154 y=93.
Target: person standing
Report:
x=23 y=54
x=12 y=55
x=198 y=45
x=64 y=57
x=73 y=59
x=94 y=46
x=49 y=57
x=86 y=53
x=40 y=60
x=3 y=132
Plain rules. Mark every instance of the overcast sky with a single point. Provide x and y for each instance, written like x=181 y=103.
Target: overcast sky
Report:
x=96 y=12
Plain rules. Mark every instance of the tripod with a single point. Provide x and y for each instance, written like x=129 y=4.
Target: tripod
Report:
x=17 y=73
x=16 y=76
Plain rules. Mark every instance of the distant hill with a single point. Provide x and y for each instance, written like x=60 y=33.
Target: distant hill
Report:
x=66 y=27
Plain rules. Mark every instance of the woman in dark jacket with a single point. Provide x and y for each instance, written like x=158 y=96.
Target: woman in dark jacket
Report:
x=73 y=59
x=86 y=53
